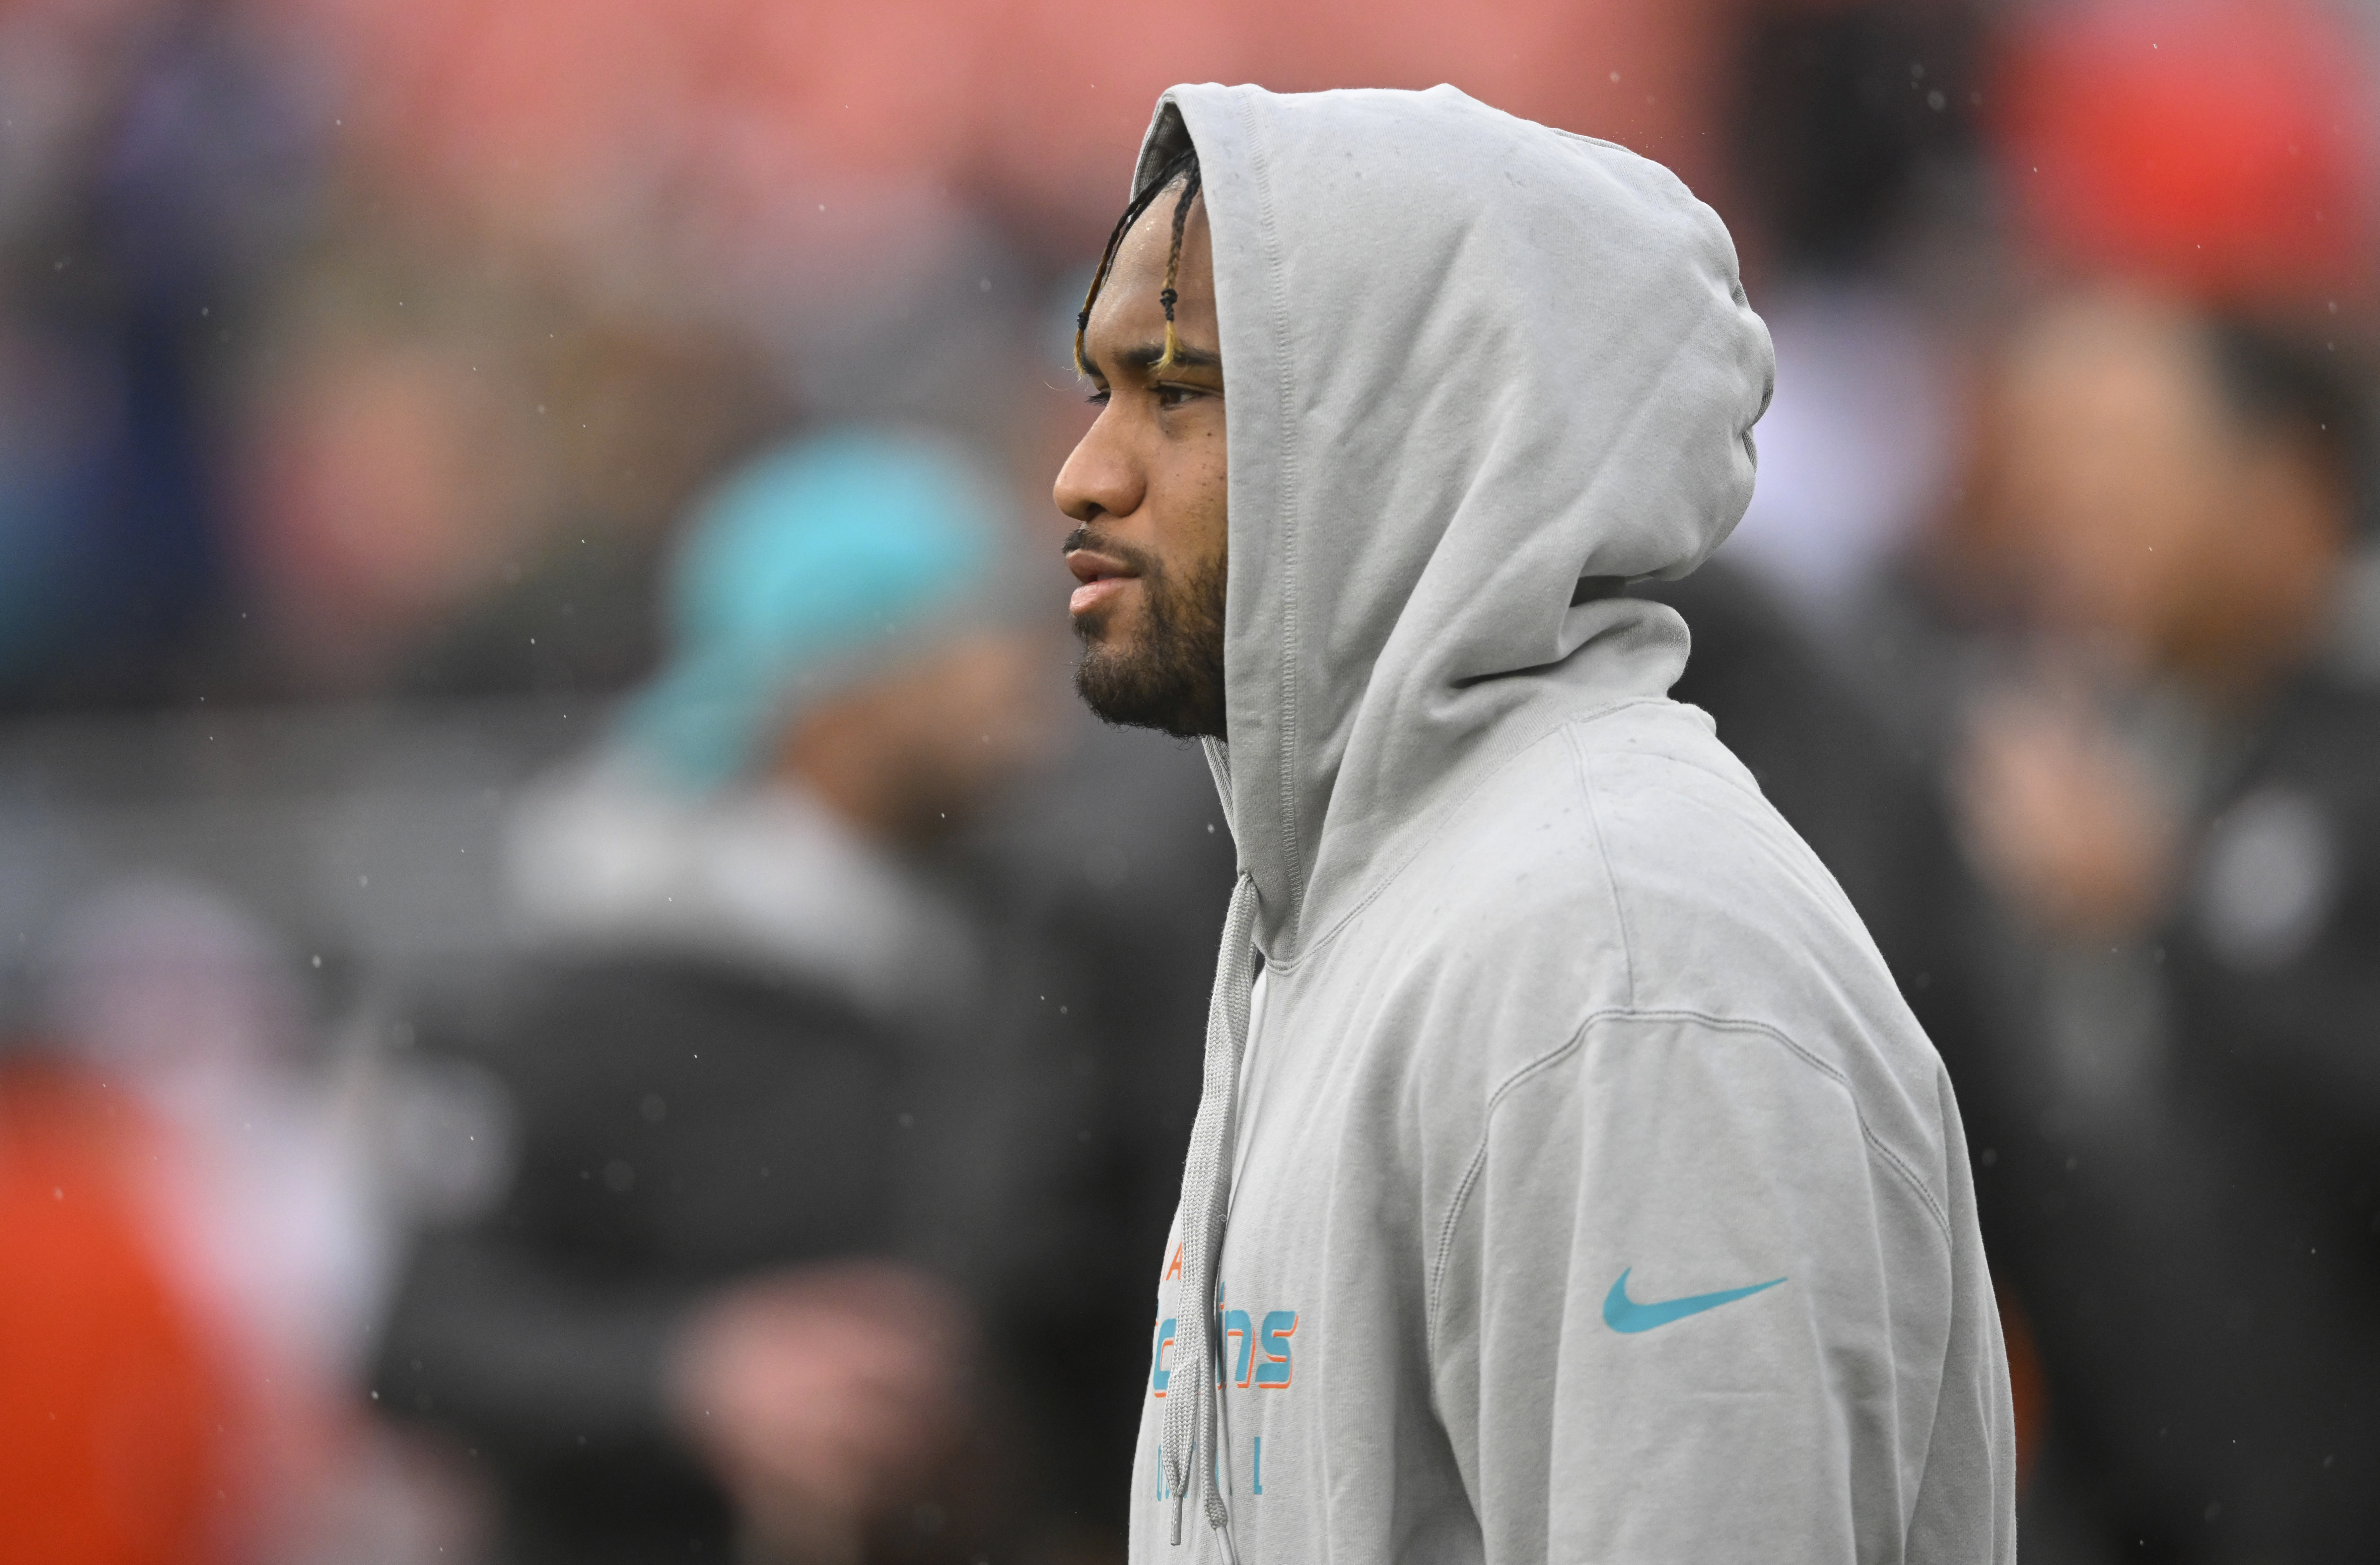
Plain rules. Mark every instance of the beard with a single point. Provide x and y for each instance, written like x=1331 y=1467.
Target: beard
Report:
x=1173 y=679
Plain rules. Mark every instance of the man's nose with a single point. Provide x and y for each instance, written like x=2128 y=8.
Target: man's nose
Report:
x=1099 y=478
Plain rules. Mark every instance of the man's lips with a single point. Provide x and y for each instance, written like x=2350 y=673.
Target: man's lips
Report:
x=1102 y=576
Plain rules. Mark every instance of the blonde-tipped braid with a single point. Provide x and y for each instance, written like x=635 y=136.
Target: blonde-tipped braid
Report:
x=1185 y=164
x=1173 y=273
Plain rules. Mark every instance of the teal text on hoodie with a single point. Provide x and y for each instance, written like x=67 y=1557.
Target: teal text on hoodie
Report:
x=1593 y=1196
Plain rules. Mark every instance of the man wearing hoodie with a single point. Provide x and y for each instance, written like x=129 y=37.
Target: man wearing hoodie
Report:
x=1572 y=1184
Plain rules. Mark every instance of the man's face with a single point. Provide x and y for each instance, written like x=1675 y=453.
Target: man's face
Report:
x=1148 y=486
x=2112 y=465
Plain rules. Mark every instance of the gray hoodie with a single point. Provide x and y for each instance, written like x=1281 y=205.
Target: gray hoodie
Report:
x=1584 y=1191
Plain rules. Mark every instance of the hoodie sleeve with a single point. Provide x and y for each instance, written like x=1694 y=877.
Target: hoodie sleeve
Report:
x=1690 y=1307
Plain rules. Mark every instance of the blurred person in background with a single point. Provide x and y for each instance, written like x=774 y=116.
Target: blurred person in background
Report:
x=466 y=495
x=2172 y=778
x=177 y=995
x=1854 y=133
x=119 y=1412
x=198 y=1244
x=757 y=1076
x=2143 y=590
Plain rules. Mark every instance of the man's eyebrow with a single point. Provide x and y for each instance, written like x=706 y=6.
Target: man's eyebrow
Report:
x=1145 y=356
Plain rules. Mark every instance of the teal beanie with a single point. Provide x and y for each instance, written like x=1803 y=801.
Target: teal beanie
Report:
x=793 y=569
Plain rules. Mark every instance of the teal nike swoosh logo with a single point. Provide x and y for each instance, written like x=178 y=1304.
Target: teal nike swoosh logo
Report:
x=1623 y=1314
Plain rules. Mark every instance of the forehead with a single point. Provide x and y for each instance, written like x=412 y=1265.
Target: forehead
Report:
x=1139 y=273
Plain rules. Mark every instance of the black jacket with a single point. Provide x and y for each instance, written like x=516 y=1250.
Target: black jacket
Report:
x=2228 y=1266
x=676 y=1126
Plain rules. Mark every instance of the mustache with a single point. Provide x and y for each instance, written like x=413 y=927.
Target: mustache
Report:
x=1084 y=538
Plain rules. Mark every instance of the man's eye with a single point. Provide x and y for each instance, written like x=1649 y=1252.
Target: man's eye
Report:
x=1099 y=397
x=1170 y=396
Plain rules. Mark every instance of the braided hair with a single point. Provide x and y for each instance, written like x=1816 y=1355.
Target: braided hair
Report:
x=1184 y=167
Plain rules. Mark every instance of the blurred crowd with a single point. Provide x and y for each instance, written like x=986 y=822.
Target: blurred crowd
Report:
x=575 y=988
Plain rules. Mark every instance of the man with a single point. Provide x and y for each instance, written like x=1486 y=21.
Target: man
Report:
x=2273 y=989
x=1574 y=1184
x=756 y=1094
x=2174 y=783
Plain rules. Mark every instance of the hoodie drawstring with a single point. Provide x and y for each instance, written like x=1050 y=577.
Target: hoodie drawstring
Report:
x=1190 y=1411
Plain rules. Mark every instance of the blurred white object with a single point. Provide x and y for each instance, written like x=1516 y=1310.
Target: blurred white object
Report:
x=1855 y=449
x=2355 y=626
x=2268 y=881
x=171 y=991
x=605 y=855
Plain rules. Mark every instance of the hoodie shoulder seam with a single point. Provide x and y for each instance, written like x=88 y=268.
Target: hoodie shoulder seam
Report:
x=1460 y=1202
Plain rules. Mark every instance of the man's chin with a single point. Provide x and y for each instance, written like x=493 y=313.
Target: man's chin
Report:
x=1111 y=623
x=1131 y=691
x=1154 y=657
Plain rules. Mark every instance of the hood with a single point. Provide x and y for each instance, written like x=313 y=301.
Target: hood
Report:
x=1478 y=375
